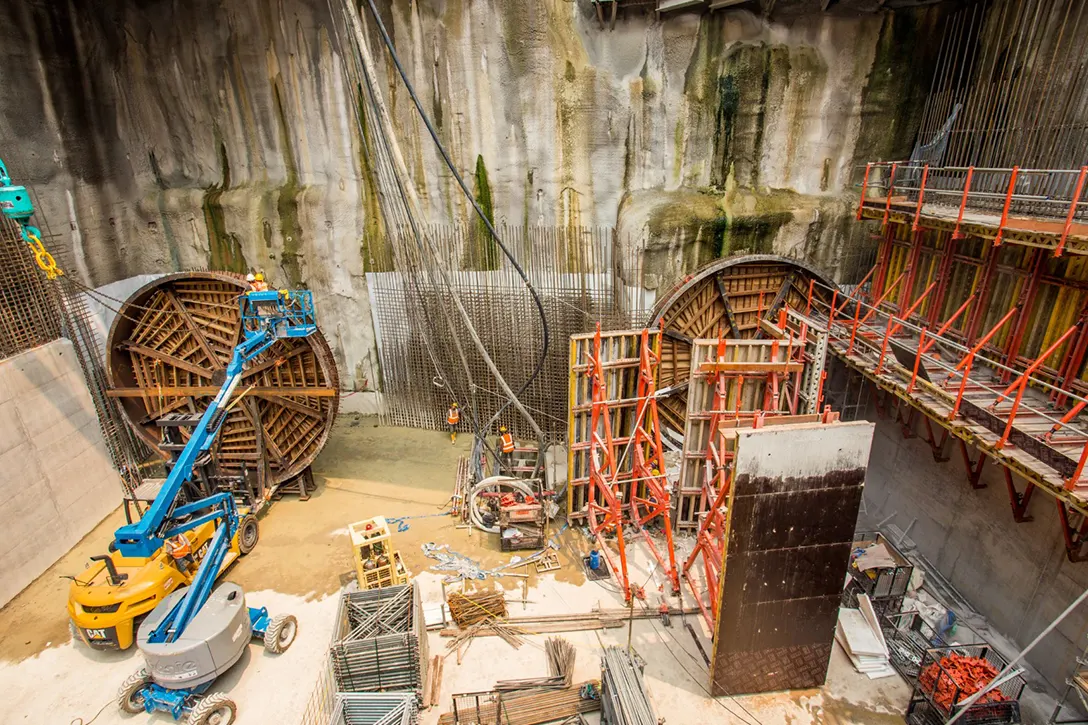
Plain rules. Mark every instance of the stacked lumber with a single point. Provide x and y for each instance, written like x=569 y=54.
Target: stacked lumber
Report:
x=532 y=707
x=468 y=609
x=859 y=633
x=480 y=629
x=433 y=691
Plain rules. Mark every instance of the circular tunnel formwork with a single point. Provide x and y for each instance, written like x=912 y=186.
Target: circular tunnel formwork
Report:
x=727 y=297
x=167 y=352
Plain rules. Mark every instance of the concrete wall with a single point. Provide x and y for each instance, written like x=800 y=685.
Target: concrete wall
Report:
x=56 y=480
x=1016 y=575
x=162 y=136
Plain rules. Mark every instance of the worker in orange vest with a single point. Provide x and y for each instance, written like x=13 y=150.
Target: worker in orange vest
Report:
x=256 y=282
x=506 y=447
x=179 y=549
x=453 y=417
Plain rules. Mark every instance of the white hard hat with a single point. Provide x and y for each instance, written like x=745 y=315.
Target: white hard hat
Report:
x=250 y=277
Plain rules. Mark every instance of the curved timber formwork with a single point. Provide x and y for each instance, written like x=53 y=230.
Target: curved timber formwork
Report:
x=728 y=296
x=167 y=350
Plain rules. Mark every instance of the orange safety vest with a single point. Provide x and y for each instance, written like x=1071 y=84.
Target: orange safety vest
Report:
x=453 y=416
x=507 y=443
x=259 y=286
x=178 y=546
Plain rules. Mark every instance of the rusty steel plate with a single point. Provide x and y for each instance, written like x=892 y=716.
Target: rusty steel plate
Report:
x=727 y=297
x=167 y=352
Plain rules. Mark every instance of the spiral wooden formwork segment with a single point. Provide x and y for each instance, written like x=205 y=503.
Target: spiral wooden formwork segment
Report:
x=727 y=297
x=167 y=350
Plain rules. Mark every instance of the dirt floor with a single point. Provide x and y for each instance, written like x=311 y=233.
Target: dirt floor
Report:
x=303 y=559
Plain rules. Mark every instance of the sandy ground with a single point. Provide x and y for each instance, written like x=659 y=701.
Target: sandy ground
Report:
x=301 y=562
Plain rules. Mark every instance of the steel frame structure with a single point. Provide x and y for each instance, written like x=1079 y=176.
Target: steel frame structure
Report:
x=1043 y=208
x=745 y=393
x=619 y=496
x=972 y=375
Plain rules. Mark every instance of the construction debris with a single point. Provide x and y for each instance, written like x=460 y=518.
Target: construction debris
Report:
x=529 y=708
x=949 y=677
x=623 y=693
x=561 y=655
x=461 y=566
x=465 y=568
x=380 y=641
x=859 y=633
x=467 y=609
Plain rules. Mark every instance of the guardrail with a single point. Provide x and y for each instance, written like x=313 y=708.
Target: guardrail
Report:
x=1055 y=194
x=854 y=323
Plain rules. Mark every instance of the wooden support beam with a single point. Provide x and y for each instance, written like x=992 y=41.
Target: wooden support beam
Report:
x=755 y=368
x=198 y=391
x=293 y=405
x=734 y=331
x=273 y=362
x=678 y=336
x=168 y=359
x=194 y=329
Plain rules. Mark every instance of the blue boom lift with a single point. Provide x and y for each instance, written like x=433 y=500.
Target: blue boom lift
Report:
x=196 y=633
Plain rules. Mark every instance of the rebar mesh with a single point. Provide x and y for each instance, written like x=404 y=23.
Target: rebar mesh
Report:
x=576 y=272
x=28 y=304
x=1017 y=70
x=35 y=311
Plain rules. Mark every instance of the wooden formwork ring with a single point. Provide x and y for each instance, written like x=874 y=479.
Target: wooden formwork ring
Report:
x=167 y=350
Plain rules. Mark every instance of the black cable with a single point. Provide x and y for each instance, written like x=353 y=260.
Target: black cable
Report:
x=472 y=412
x=475 y=205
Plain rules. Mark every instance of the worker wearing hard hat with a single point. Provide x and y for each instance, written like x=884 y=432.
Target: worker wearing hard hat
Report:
x=506 y=448
x=256 y=282
x=453 y=417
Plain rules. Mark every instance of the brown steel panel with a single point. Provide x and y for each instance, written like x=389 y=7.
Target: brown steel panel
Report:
x=791 y=520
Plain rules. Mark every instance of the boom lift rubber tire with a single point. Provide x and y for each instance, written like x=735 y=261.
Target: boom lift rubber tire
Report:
x=215 y=709
x=280 y=634
x=249 y=533
x=129 y=696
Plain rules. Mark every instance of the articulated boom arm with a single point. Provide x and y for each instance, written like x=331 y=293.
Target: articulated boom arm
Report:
x=266 y=316
x=144 y=537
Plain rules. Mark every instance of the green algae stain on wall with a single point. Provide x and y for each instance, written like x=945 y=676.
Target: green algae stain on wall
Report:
x=374 y=247
x=224 y=248
x=287 y=200
x=164 y=219
x=482 y=252
x=898 y=84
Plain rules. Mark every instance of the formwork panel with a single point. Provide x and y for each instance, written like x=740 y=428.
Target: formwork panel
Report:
x=792 y=508
x=620 y=361
x=746 y=395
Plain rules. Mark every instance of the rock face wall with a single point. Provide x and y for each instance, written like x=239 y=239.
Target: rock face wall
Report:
x=161 y=135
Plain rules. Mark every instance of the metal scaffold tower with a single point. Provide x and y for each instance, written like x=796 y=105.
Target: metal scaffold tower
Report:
x=620 y=495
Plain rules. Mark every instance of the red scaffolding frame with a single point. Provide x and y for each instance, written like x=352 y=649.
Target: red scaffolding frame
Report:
x=727 y=413
x=619 y=498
